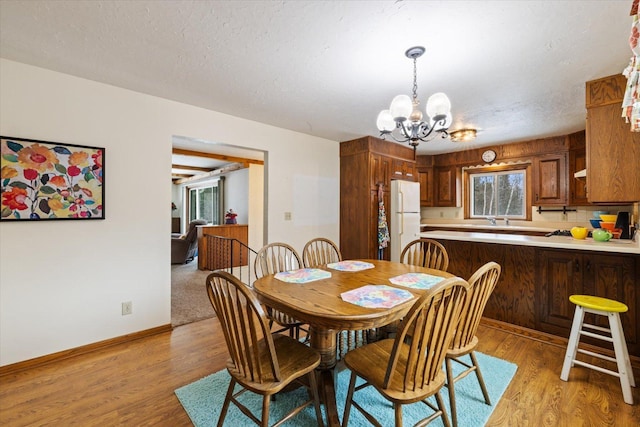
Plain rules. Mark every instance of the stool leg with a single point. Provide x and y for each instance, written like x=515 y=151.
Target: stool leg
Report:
x=622 y=357
x=627 y=359
x=572 y=345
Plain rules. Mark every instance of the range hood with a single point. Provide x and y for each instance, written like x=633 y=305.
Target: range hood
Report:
x=580 y=174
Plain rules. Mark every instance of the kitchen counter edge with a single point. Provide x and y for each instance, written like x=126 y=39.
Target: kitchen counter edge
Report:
x=557 y=242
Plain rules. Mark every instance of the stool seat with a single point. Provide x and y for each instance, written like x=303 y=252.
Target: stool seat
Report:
x=614 y=334
x=599 y=303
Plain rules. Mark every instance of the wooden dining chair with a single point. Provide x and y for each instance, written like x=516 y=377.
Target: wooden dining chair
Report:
x=276 y=258
x=320 y=251
x=425 y=253
x=260 y=362
x=481 y=285
x=410 y=370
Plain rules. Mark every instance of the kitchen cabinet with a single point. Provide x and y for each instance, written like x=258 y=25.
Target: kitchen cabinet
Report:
x=366 y=163
x=536 y=282
x=512 y=300
x=577 y=162
x=380 y=170
x=613 y=151
x=565 y=273
x=550 y=180
x=425 y=178
x=424 y=169
x=577 y=186
x=446 y=186
x=404 y=169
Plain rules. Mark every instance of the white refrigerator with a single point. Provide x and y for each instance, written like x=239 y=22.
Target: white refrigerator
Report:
x=405 y=215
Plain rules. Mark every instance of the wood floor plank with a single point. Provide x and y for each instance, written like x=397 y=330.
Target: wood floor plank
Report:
x=132 y=384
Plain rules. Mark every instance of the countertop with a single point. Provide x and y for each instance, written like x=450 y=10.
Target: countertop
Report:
x=489 y=227
x=558 y=242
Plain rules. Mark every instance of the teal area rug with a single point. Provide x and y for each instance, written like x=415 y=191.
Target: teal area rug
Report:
x=203 y=400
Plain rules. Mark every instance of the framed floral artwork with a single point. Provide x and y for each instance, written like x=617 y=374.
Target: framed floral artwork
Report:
x=44 y=180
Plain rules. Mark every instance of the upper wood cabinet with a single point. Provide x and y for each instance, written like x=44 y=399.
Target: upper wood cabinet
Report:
x=425 y=178
x=424 y=169
x=577 y=162
x=613 y=151
x=380 y=170
x=550 y=180
x=404 y=169
x=446 y=183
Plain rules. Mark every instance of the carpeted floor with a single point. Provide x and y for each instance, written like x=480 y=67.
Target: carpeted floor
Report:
x=203 y=400
x=189 y=300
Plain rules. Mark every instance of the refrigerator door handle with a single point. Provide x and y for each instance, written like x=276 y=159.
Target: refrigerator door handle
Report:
x=401 y=231
x=400 y=201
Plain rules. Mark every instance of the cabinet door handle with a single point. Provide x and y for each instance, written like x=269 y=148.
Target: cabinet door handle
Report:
x=588 y=266
x=577 y=265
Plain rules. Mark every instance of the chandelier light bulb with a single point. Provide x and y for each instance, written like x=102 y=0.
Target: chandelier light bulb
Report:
x=401 y=108
x=438 y=105
x=385 y=121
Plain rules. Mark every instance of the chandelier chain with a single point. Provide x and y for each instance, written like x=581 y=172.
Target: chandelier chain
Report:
x=415 y=81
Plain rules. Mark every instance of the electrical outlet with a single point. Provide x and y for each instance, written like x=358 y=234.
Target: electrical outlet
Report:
x=287 y=216
x=127 y=308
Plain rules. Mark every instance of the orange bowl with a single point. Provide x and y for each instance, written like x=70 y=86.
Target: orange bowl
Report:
x=609 y=218
x=617 y=232
x=608 y=225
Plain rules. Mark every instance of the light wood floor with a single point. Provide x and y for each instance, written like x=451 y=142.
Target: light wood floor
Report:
x=132 y=384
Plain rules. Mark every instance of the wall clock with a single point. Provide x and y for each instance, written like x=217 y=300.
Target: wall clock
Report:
x=489 y=156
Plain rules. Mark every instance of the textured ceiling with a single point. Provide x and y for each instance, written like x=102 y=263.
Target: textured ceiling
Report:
x=515 y=70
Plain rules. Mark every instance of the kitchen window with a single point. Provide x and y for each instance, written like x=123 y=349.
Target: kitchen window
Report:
x=497 y=192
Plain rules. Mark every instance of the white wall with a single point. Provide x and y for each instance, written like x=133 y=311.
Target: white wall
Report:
x=62 y=282
x=236 y=194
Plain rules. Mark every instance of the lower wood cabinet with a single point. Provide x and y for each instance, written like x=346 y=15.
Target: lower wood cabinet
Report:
x=565 y=273
x=513 y=299
x=535 y=284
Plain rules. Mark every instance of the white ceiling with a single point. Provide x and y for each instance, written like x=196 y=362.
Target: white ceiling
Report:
x=515 y=70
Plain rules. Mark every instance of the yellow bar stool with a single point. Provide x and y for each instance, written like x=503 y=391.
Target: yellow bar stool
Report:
x=614 y=334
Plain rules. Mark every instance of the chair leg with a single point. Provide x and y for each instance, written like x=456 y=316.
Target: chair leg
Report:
x=397 y=409
x=452 y=392
x=622 y=358
x=264 y=421
x=572 y=345
x=347 y=404
x=445 y=418
x=227 y=401
x=313 y=385
x=485 y=393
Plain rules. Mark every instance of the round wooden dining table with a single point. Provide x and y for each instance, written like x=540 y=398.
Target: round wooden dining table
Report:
x=319 y=304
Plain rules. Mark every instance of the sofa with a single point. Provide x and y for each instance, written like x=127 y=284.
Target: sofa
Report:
x=183 y=248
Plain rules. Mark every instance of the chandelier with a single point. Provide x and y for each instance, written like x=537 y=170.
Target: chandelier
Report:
x=403 y=120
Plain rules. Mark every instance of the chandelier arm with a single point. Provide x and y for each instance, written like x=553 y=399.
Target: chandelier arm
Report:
x=383 y=135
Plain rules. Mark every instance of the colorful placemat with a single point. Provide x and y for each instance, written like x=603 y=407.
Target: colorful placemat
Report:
x=376 y=296
x=416 y=280
x=303 y=275
x=350 y=265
